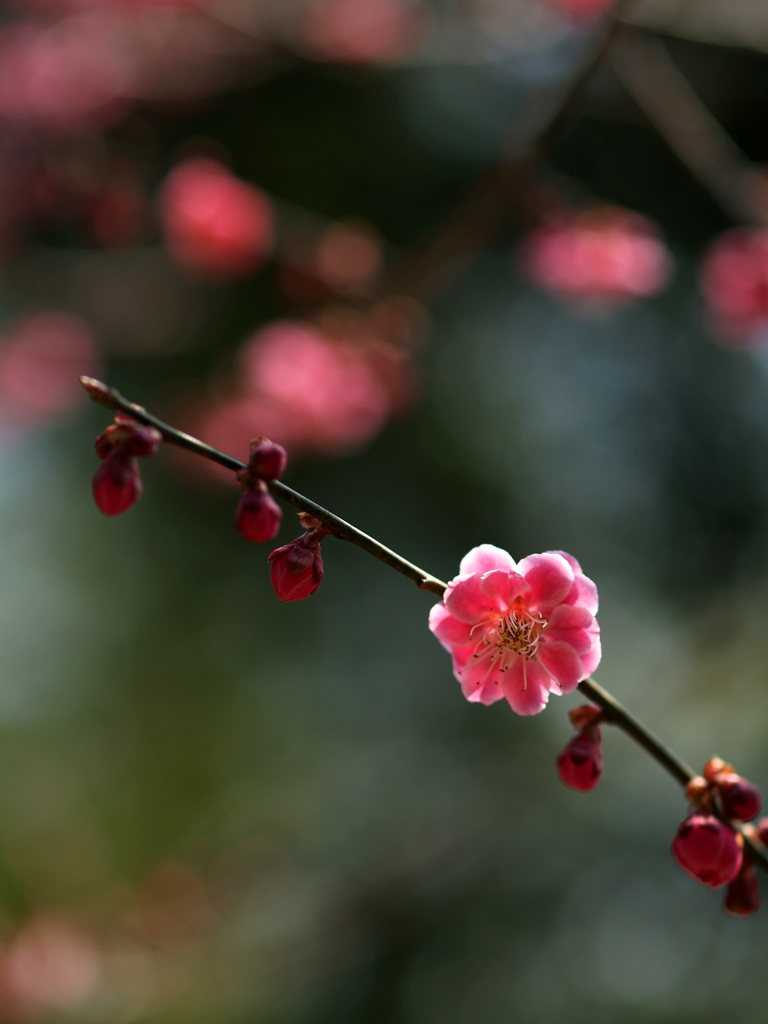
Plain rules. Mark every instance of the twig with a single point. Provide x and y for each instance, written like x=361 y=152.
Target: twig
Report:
x=112 y=399
x=500 y=190
x=649 y=75
x=614 y=712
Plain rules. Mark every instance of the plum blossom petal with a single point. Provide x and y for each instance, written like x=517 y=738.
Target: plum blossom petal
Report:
x=480 y=681
x=465 y=600
x=486 y=557
x=583 y=592
x=526 y=686
x=572 y=625
x=550 y=577
x=449 y=631
x=591 y=659
x=502 y=587
x=569 y=559
x=562 y=662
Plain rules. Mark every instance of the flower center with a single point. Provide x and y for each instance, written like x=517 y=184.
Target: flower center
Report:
x=518 y=632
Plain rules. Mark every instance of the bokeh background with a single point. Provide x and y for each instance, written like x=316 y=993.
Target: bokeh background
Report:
x=216 y=807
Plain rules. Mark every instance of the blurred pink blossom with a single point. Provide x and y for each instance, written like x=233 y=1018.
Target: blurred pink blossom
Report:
x=734 y=279
x=214 y=223
x=601 y=255
x=51 y=966
x=64 y=74
x=519 y=631
x=358 y=31
x=311 y=389
x=41 y=357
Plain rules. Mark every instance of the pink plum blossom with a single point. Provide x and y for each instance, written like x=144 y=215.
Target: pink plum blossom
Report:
x=602 y=254
x=214 y=223
x=519 y=631
x=734 y=280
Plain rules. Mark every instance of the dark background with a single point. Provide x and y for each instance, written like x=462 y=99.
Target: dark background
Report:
x=215 y=807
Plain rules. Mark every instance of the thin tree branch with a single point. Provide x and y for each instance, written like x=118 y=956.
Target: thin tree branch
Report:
x=663 y=93
x=503 y=189
x=614 y=712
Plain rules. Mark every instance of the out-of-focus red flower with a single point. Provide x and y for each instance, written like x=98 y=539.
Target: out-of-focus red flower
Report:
x=580 y=764
x=214 y=223
x=361 y=31
x=742 y=897
x=707 y=849
x=41 y=356
x=50 y=967
x=734 y=280
x=327 y=387
x=117 y=484
x=740 y=799
x=330 y=387
x=75 y=72
x=258 y=514
x=601 y=255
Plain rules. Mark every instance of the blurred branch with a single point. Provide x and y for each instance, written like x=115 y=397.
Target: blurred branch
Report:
x=503 y=189
x=649 y=75
x=614 y=712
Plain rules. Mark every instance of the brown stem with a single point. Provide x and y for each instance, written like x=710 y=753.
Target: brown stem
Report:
x=614 y=712
x=663 y=93
x=502 y=189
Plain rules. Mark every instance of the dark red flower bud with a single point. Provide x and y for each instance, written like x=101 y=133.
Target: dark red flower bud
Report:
x=117 y=484
x=762 y=830
x=297 y=570
x=266 y=460
x=743 y=895
x=707 y=849
x=740 y=799
x=258 y=515
x=580 y=765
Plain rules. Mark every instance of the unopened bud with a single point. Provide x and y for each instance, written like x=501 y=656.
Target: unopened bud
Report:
x=266 y=460
x=258 y=515
x=707 y=849
x=743 y=895
x=740 y=799
x=296 y=571
x=580 y=764
x=117 y=484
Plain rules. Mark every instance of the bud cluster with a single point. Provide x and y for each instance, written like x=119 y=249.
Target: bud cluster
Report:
x=580 y=764
x=258 y=514
x=117 y=483
x=707 y=846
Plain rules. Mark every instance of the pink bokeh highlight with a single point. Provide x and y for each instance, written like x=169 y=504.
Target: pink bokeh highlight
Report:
x=601 y=255
x=734 y=282
x=214 y=223
x=361 y=31
x=41 y=356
